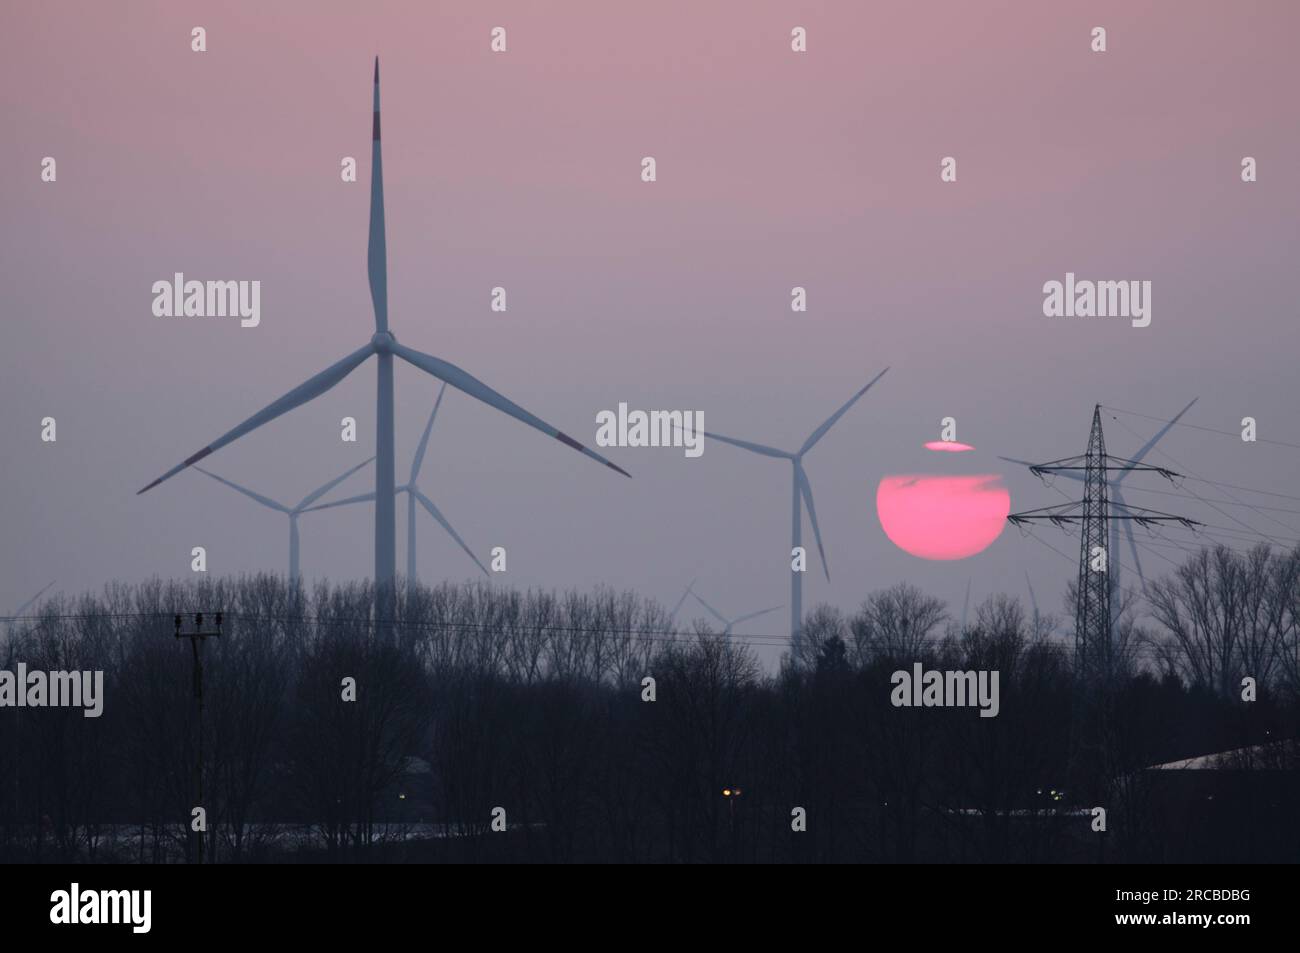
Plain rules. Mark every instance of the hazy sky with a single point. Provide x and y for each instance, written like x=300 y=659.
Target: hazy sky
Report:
x=521 y=169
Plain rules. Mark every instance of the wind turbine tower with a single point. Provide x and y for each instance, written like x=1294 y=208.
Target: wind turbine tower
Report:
x=415 y=495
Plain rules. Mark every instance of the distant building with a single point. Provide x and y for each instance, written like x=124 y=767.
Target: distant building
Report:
x=1235 y=806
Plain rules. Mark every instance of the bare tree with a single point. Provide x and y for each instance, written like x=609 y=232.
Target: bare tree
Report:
x=896 y=622
x=1225 y=615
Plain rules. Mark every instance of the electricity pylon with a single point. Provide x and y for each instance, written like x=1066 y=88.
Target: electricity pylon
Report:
x=1095 y=668
x=1092 y=617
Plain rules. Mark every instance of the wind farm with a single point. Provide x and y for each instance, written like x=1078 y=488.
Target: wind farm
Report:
x=1082 y=653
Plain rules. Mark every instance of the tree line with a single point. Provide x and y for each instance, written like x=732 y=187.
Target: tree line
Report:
x=478 y=697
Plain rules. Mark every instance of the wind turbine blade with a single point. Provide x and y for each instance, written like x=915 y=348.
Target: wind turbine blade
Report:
x=434 y=512
x=29 y=603
x=752 y=447
x=755 y=615
x=1033 y=600
x=377 y=248
x=424 y=439
x=304 y=392
x=677 y=608
x=1146 y=447
x=805 y=489
x=264 y=500
x=315 y=495
x=359 y=498
x=714 y=612
x=830 y=421
x=471 y=385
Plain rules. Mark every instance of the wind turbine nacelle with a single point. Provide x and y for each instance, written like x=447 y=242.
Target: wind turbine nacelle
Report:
x=383 y=342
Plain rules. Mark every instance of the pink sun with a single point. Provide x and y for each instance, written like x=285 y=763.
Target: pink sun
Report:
x=943 y=517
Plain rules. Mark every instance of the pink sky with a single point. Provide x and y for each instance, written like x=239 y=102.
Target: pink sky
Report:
x=775 y=170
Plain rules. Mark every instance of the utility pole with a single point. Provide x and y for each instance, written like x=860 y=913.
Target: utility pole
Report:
x=196 y=643
x=732 y=794
x=1094 y=658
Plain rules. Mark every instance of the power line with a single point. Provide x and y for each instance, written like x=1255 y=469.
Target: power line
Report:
x=1189 y=496
x=1209 y=503
x=1244 y=489
x=656 y=636
x=613 y=631
x=1030 y=533
x=1226 y=433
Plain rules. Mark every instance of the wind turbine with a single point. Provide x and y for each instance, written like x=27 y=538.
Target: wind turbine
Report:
x=26 y=605
x=11 y=622
x=728 y=624
x=688 y=591
x=802 y=495
x=293 y=512
x=1033 y=601
x=414 y=495
x=1113 y=484
x=383 y=346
